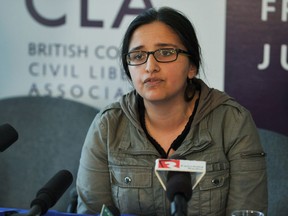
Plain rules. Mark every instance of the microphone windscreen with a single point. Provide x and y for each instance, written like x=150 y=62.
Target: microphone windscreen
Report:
x=178 y=182
x=8 y=135
x=48 y=195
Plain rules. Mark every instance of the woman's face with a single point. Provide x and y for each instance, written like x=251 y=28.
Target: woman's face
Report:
x=155 y=81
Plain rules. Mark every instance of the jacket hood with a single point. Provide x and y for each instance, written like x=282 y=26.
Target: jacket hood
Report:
x=209 y=100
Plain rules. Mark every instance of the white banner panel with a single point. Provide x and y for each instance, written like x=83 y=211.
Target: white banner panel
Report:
x=70 y=48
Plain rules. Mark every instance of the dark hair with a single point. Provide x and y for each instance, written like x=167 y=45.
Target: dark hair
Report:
x=173 y=18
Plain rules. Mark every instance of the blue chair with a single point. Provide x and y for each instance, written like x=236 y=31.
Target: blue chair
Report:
x=51 y=134
x=276 y=147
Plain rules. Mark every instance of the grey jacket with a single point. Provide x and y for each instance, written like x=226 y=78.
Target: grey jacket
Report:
x=117 y=161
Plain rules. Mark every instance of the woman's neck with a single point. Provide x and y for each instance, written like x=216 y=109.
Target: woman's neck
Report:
x=169 y=115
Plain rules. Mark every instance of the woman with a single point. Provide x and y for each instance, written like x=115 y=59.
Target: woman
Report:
x=170 y=112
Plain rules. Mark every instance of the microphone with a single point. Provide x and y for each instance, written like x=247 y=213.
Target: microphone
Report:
x=109 y=211
x=50 y=193
x=72 y=207
x=179 y=190
x=8 y=135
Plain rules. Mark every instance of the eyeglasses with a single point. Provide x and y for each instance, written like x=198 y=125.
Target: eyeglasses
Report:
x=166 y=55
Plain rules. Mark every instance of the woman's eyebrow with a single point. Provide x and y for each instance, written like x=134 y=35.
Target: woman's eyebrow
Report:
x=136 y=48
x=166 y=45
x=160 y=45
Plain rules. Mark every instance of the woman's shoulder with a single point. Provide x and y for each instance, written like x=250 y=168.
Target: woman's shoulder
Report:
x=125 y=106
x=220 y=105
x=110 y=110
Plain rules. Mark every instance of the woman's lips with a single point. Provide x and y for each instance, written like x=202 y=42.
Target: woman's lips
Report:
x=152 y=81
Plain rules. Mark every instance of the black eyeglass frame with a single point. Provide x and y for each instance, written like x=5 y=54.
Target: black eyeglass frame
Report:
x=178 y=51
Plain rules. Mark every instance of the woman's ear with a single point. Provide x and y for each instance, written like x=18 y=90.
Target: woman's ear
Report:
x=192 y=71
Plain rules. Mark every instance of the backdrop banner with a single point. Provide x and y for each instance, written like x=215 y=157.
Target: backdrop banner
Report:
x=70 y=49
x=256 y=70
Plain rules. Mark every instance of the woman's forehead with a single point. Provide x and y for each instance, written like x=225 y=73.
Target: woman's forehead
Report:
x=155 y=34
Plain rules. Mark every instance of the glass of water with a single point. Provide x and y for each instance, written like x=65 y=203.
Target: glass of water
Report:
x=247 y=213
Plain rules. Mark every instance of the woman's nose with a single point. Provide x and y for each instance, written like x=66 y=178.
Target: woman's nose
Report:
x=152 y=65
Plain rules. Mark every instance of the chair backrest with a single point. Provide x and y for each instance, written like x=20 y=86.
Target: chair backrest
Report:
x=276 y=147
x=51 y=135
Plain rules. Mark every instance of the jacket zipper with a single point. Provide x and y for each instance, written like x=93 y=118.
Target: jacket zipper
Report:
x=253 y=154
